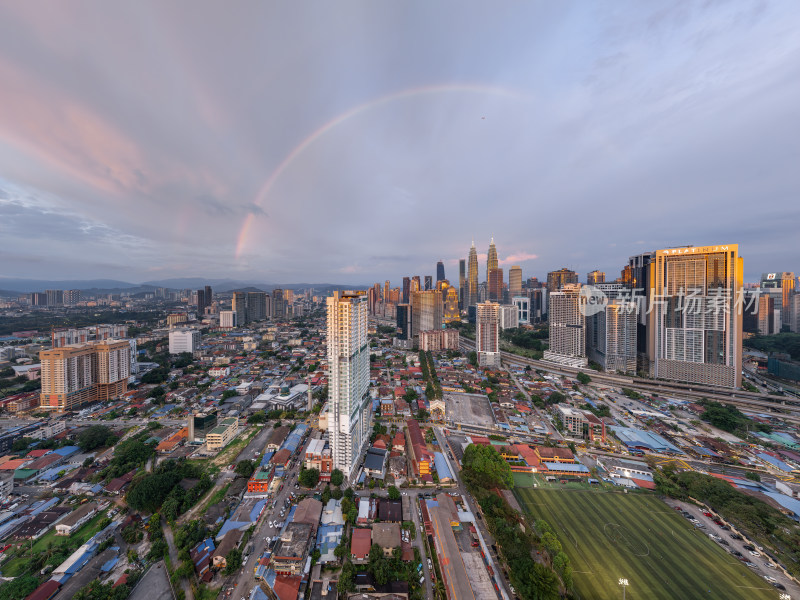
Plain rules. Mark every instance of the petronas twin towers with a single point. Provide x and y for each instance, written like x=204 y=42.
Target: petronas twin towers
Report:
x=492 y=266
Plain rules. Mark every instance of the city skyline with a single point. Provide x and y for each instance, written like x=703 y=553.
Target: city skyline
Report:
x=137 y=144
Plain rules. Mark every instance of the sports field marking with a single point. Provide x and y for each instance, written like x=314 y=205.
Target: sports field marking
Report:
x=619 y=535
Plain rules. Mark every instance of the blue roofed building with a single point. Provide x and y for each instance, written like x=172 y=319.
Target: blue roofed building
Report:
x=442 y=468
x=639 y=440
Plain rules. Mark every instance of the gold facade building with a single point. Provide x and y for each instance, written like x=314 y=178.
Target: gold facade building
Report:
x=695 y=315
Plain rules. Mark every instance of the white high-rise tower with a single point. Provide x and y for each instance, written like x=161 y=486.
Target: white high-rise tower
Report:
x=350 y=414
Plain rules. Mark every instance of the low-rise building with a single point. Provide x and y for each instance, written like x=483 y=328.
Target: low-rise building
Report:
x=360 y=545
x=222 y=434
x=291 y=551
x=387 y=536
x=73 y=521
x=318 y=457
x=580 y=423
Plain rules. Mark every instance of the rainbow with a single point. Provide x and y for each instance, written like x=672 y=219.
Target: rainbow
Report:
x=346 y=116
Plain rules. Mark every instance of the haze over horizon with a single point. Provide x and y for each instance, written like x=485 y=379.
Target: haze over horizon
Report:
x=360 y=142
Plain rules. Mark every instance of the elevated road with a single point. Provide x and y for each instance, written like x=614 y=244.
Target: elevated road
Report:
x=787 y=407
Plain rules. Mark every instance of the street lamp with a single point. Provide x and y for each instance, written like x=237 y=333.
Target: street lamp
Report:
x=624 y=583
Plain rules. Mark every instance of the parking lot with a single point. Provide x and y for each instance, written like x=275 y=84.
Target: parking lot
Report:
x=469 y=409
x=749 y=554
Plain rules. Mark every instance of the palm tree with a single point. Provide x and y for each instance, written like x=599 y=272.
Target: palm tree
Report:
x=438 y=589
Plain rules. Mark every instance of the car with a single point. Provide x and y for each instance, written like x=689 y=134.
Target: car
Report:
x=707 y=514
x=780 y=586
x=749 y=547
x=755 y=553
x=769 y=565
x=735 y=536
x=770 y=578
x=736 y=553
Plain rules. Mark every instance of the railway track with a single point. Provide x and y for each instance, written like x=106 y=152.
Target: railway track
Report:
x=787 y=407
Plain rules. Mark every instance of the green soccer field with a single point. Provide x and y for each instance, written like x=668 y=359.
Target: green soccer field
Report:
x=609 y=536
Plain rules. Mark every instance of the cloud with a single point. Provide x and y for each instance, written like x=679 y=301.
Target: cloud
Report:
x=518 y=258
x=366 y=128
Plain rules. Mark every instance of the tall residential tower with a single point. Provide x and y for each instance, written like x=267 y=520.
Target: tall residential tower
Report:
x=349 y=410
x=695 y=322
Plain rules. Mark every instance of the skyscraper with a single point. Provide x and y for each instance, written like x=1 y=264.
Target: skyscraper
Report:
x=257 y=306
x=406 y=298
x=439 y=271
x=487 y=334
x=495 y=285
x=349 y=410
x=595 y=277
x=428 y=282
x=462 y=280
x=515 y=281
x=55 y=297
x=278 y=304
x=404 y=322
x=204 y=300
x=386 y=288
x=637 y=276
x=781 y=287
x=491 y=259
x=450 y=299
x=567 y=327
x=239 y=306
x=426 y=311
x=611 y=336
x=72 y=296
x=558 y=279
x=472 y=276
x=695 y=321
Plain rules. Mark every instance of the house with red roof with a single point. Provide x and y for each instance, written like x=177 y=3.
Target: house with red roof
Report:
x=360 y=544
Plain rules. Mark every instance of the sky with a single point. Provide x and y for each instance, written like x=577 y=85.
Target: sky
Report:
x=354 y=142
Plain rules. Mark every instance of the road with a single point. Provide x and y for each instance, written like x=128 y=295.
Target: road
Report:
x=244 y=579
x=486 y=538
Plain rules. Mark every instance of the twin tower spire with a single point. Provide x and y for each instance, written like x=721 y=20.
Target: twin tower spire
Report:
x=492 y=265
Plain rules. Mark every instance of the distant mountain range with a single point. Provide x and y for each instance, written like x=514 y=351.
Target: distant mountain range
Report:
x=10 y=287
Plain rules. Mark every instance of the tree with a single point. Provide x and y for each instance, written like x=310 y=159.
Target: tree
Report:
x=245 y=468
x=347 y=578
x=753 y=476
x=337 y=477
x=20 y=587
x=484 y=467
x=473 y=358
x=584 y=378
x=394 y=493
x=308 y=478
x=233 y=561
x=95 y=436
x=257 y=417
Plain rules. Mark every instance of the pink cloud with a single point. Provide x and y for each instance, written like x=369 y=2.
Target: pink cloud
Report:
x=518 y=258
